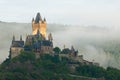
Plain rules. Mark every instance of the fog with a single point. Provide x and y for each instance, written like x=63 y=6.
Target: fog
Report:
x=97 y=44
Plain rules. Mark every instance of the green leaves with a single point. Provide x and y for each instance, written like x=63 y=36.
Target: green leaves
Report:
x=50 y=67
x=57 y=50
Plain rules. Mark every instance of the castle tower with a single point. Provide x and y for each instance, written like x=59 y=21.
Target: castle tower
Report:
x=38 y=32
x=40 y=24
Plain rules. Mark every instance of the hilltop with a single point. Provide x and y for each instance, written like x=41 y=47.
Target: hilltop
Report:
x=48 y=67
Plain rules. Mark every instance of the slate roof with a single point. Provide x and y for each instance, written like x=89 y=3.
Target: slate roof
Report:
x=17 y=44
x=39 y=43
x=38 y=18
x=46 y=43
x=27 y=48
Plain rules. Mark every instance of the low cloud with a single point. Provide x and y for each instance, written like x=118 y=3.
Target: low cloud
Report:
x=94 y=43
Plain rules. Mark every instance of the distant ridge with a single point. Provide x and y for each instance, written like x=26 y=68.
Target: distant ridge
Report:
x=1 y=21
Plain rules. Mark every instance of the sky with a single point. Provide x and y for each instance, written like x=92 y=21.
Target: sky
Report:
x=73 y=12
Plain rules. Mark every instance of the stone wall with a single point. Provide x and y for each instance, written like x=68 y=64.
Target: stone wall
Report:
x=15 y=51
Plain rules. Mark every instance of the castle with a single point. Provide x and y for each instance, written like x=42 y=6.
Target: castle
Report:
x=36 y=42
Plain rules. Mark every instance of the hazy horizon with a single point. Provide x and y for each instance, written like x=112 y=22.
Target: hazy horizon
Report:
x=73 y=12
x=100 y=44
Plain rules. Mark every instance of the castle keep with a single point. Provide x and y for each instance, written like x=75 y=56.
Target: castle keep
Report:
x=36 y=42
x=39 y=24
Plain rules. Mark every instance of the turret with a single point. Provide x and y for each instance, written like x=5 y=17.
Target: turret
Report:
x=44 y=20
x=74 y=52
x=72 y=49
x=50 y=37
x=13 y=38
x=38 y=18
x=40 y=24
x=21 y=38
x=64 y=46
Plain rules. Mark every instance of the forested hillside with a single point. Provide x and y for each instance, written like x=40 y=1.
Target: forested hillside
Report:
x=47 y=67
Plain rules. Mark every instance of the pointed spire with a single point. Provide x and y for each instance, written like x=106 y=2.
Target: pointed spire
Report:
x=38 y=18
x=72 y=48
x=21 y=38
x=13 y=38
x=44 y=19
x=50 y=37
x=64 y=46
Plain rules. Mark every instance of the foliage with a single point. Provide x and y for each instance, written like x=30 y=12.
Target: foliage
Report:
x=50 y=67
x=112 y=74
x=57 y=50
x=66 y=51
x=91 y=71
x=95 y=71
x=25 y=56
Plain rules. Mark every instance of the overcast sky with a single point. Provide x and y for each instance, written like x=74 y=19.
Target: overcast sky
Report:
x=76 y=12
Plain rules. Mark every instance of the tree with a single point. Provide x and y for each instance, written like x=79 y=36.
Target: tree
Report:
x=26 y=56
x=57 y=50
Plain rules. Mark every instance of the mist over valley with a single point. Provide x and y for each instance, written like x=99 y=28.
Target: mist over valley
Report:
x=98 y=44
